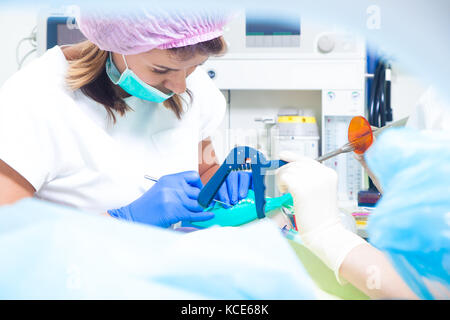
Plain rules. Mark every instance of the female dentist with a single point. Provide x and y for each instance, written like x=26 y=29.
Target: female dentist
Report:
x=82 y=125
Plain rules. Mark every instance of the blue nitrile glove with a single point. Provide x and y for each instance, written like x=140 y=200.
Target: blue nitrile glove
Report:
x=172 y=199
x=235 y=187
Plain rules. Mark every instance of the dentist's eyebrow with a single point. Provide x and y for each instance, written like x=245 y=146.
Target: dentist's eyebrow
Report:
x=165 y=68
x=170 y=69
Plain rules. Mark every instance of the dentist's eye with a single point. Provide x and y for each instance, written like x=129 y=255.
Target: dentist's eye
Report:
x=158 y=71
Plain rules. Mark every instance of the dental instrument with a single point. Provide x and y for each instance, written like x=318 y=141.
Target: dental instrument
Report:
x=360 y=136
x=242 y=158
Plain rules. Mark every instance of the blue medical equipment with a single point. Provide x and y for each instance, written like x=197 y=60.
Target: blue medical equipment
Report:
x=57 y=30
x=242 y=158
x=379 y=101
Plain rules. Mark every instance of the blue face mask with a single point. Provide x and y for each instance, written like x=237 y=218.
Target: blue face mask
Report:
x=131 y=83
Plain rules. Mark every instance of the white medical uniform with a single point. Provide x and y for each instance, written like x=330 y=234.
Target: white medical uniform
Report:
x=65 y=145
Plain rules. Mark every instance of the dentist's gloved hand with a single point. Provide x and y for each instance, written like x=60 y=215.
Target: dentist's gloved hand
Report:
x=172 y=199
x=313 y=187
x=235 y=187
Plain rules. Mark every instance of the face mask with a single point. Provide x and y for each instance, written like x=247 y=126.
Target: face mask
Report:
x=131 y=83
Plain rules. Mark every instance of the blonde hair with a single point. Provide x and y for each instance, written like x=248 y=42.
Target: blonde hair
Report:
x=87 y=72
x=87 y=66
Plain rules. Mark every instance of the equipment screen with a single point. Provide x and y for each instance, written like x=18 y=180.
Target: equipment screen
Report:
x=68 y=36
x=272 y=25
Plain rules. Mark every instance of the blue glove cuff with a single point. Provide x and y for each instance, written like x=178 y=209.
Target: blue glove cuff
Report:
x=125 y=214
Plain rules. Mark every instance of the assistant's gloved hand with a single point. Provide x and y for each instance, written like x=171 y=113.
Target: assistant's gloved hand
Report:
x=235 y=187
x=172 y=199
x=313 y=187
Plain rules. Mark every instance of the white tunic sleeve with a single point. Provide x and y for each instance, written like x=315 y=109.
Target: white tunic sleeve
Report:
x=26 y=137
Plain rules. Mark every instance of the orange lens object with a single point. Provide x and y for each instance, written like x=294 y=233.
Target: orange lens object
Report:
x=360 y=134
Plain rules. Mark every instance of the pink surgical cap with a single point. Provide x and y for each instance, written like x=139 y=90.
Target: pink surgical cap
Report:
x=134 y=32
